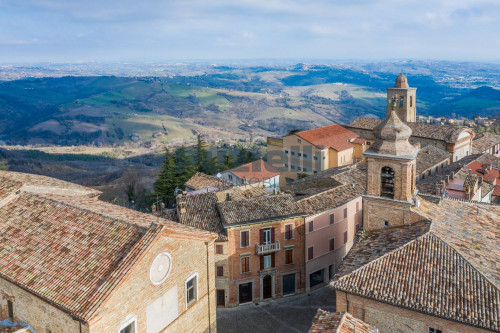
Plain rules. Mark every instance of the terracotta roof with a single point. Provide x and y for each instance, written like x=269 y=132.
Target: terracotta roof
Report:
x=201 y=181
x=445 y=133
x=258 y=209
x=332 y=136
x=201 y=212
x=254 y=171
x=44 y=185
x=353 y=185
x=359 y=140
x=447 y=268
x=429 y=156
x=8 y=187
x=339 y=322
x=240 y=192
x=485 y=141
x=70 y=257
x=488 y=168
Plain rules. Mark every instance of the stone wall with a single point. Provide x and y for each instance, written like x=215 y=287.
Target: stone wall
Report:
x=32 y=310
x=222 y=260
x=133 y=296
x=376 y=211
x=389 y=318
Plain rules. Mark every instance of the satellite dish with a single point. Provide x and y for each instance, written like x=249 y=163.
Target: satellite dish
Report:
x=160 y=268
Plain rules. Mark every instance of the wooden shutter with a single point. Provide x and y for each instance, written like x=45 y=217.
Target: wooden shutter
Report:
x=272 y=235
x=345 y=237
x=272 y=260
x=261 y=236
x=345 y=212
x=311 y=226
x=310 y=253
x=261 y=262
x=332 y=244
x=332 y=218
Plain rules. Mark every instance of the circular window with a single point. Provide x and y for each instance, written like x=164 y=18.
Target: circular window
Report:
x=160 y=268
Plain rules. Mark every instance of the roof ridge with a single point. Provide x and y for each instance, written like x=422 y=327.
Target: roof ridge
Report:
x=113 y=219
x=384 y=255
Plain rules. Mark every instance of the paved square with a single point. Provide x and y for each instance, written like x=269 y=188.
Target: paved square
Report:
x=289 y=314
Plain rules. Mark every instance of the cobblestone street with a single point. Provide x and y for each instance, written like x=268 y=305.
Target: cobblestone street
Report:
x=289 y=314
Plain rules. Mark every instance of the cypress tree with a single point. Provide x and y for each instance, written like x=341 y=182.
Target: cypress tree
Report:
x=167 y=181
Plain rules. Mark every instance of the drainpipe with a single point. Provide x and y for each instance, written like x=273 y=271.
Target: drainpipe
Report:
x=208 y=293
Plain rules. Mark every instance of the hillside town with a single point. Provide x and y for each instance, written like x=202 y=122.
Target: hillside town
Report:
x=395 y=220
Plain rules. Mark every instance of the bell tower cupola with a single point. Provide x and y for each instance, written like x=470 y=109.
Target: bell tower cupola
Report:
x=391 y=172
x=405 y=98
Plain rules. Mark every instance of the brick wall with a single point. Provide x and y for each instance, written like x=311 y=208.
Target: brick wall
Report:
x=137 y=292
x=235 y=252
x=389 y=318
x=221 y=260
x=39 y=314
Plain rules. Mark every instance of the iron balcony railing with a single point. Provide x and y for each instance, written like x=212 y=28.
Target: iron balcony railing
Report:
x=267 y=248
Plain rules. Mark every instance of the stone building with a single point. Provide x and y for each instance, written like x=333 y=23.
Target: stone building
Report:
x=72 y=263
x=486 y=143
x=422 y=263
x=455 y=140
x=254 y=174
x=431 y=160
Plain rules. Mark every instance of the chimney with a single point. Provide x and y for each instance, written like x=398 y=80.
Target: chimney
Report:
x=182 y=207
x=228 y=196
x=470 y=171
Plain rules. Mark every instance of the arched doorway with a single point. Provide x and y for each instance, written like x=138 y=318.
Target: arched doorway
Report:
x=267 y=287
x=387 y=182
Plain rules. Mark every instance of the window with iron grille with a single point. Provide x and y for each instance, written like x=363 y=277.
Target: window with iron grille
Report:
x=220 y=270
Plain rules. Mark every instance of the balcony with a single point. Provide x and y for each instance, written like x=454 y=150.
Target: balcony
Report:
x=267 y=248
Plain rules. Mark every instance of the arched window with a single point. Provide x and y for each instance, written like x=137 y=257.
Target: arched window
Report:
x=387 y=183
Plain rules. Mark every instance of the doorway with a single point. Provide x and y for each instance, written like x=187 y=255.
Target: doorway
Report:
x=289 y=284
x=267 y=287
x=245 y=292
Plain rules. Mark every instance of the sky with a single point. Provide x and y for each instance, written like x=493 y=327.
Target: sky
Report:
x=166 y=30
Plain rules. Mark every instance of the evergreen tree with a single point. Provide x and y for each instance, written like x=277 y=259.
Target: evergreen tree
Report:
x=200 y=154
x=167 y=181
x=249 y=157
x=228 y=161
x=242 y=156
x=184 y=168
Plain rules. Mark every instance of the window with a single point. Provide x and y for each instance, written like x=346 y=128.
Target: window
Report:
x=387 y=183
x=10 y=310
x=292 y=153
x=357 y=206
x=332 y=218
x=433 y=330
x=345 y=237
x=220 y=270
x=230 y=177
x=129 y=326
x=244 y=238
x=219 y=249
x=245 y=264
x=386 y=223
x=288 y=231
x=267 y=261
x=305 y=169
x=298 y=168
x=311 y=226
x=310 y=253
x=292 y=167
x=286 y=165
x=332 y=244
x=288 y=256
x=299 y=154
x=286 y=151
x=299 y=140
x=345 y=212
x=221 y=297
x=267 y=236
x=315 y=171
x=315 y=158
x=305 y=155
x=191 y=290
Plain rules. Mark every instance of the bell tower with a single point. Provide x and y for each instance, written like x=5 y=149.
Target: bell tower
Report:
x=391 y=172
x=406 y=99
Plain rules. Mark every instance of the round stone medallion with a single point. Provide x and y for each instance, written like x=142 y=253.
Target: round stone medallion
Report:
x=160 y=268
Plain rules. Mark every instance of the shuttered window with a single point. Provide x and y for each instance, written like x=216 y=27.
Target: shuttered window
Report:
x=345 y=237
x=288 y=231
x=345 y=212
x=311 y=226
x=310 y=253
x=332 y=218
x=220 y=271
x=332 y=244
x=245 y=264
x=244 y=238
x=288 y=256
x=219 y=249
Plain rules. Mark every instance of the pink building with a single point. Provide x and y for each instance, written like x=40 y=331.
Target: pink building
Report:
x=333 y=202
